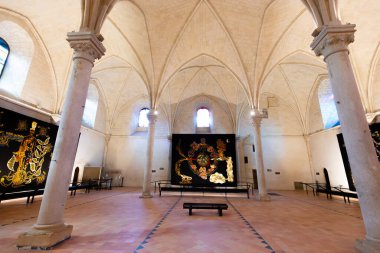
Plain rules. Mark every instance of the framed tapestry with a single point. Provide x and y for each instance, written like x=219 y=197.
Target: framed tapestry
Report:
x=204 y=160
x=26 y=146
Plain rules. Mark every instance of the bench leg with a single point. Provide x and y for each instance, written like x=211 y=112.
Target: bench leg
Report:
x=220 y=212
x=190 y=211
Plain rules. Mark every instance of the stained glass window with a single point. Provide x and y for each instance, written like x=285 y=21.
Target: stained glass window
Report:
x=143 y=118
x=4 y=52
x=327 y=105
x=203 y=117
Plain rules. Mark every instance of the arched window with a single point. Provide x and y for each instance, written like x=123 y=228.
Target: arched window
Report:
x=16 y=68
x=143 y=118
x=4 y=53
x=327 y=105
x=91 y=106
x=203 y=117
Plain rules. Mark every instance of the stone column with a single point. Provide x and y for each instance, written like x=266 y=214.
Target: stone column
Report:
x=107 y=140
x=238 y=159
x=331 y=41
x=50 y=228
x=170 y=140
x=309 y=157
x=256 y=121
x=152 y=117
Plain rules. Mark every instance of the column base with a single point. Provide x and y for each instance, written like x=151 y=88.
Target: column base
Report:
x=44 y=237
x=368 y=246
x=146 y=195
x=263 y=197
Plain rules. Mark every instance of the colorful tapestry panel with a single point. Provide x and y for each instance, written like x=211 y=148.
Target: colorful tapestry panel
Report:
x=204 y=160
x=26 y=146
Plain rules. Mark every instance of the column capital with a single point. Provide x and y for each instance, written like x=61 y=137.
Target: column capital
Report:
x=332 y=39
x=256 y=120
x=86 y=45
x=152 y=116
x=257 y=116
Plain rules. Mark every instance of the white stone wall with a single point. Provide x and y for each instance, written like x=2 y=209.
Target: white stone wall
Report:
x=27 y=74
x=128 y=155
x=288 y=156
x=326 y=154
x=90 y=150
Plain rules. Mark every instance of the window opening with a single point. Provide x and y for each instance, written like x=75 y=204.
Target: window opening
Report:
x=4 y=53
x=327 y=105
x=143 y=117
x=203 y=117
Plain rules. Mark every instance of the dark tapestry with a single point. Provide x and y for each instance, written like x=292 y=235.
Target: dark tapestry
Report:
x=375 y=132
x=26 y=146
x=204 y=160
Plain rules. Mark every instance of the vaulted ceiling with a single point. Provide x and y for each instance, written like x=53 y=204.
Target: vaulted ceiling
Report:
x=242 y=53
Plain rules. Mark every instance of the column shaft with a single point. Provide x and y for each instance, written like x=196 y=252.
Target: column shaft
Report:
x=50 y=228
x=332 y=42
x=358 y=140
x=263 y=194
x=149 y=164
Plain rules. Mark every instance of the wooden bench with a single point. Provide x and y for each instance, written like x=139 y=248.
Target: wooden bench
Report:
x=218 y=206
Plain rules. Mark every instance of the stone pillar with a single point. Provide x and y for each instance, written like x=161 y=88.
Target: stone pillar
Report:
x=50 y=228
x=309 y=157
x=107 y=140
x=238 y=159
x=170 y=140
x=152 y=117
x=331 y=41
x=256 y=121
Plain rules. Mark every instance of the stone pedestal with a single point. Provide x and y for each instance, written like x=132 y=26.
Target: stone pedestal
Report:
x=263 y=194
x=44 y=237
x=50 y=228
x=331 y=42
x=152 y=117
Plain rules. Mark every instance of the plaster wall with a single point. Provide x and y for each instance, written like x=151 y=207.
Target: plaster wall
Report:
x=90 y=150
x=326 y=154
x=288 y=156
x=246 y=168
x=127 y=154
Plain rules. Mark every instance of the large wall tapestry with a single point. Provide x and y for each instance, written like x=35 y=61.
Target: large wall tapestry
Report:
x=26 y=145
x=204 y=160
x=375 y=132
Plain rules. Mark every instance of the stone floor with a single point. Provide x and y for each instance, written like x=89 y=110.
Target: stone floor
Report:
x=118 y=220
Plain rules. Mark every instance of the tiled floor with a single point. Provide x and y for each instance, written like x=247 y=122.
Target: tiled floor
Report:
x=119 y=221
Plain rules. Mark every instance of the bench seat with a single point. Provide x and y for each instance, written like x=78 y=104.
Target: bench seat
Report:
x=219 y=206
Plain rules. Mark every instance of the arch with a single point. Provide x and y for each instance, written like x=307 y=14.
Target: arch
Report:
x=166 y=75
x=19 y=59
x=314 y=88
x=185 y=66
x=213 y=104
x=41 y=44
x=275 y=46
x=282 y=60
x=285 y=104
x=4 y=53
